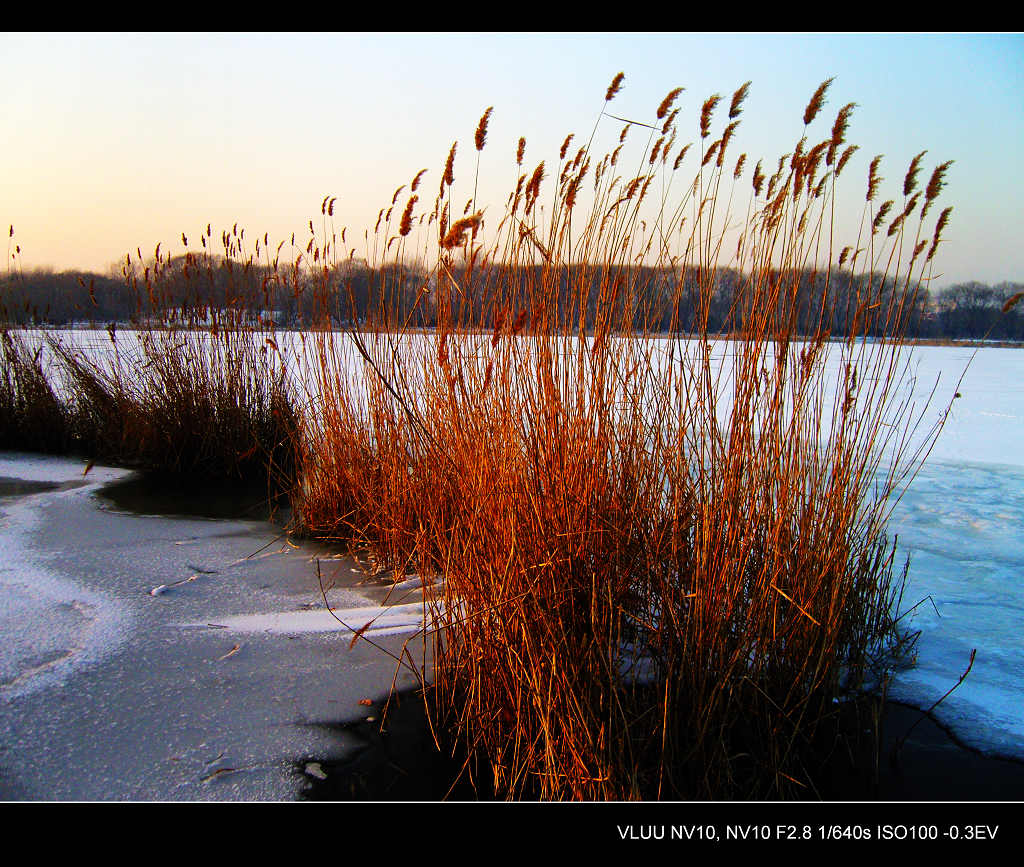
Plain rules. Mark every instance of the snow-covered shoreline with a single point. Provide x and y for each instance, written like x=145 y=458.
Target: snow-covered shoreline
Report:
x=111 y=693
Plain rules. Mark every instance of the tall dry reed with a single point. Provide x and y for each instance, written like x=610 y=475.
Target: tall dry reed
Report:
x=658 y=508
x=198 y=385
x=32 y=415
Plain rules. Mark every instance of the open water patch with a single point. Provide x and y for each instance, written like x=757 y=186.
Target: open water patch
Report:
x=165 y=495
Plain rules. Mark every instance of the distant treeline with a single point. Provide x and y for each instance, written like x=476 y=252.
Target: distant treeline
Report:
x=658 y=300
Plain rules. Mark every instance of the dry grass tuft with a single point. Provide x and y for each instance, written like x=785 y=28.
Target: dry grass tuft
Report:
x=656 y=508
x=32 y=416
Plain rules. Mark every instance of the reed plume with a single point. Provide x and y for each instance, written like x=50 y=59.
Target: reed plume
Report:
x=910 y=180
x=816 y=102
x=480 y=137
x=666 y=103
x=614 y=87
x=706 y=111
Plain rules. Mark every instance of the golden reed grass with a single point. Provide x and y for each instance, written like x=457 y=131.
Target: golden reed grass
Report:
x=658 y=509
x=198 y=385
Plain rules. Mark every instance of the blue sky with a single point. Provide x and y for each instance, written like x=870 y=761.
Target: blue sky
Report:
x=113 y=141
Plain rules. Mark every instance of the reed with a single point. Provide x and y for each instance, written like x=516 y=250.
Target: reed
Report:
x=184 y=402
x=658 y=508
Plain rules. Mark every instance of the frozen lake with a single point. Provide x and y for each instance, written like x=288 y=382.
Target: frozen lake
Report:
x=176 y=657
x=959 y=521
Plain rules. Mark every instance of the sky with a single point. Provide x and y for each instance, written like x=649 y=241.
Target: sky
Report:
x=113 y=142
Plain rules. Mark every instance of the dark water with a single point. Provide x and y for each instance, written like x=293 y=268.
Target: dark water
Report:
x=397 y=760
x=192 y=497
x=917 y=760
x=10 y=488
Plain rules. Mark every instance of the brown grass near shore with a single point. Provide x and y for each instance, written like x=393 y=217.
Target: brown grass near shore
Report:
x=182 y=401
x=661 y=566
x=32 y=416
x=197 y=386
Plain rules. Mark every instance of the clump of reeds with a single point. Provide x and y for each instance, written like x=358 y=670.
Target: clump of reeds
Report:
x=653 y=473
x=199 y=385
x=655 y=486
x=184 y=402
x=32 y=416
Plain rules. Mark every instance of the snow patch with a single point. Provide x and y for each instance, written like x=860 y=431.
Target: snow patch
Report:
x=372 y=620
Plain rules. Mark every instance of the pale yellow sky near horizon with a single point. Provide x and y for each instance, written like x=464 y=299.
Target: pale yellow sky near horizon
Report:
x=115 y=142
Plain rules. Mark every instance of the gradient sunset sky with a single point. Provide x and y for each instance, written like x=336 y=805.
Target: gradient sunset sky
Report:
x=118 y=141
